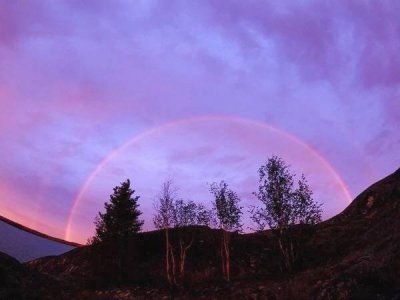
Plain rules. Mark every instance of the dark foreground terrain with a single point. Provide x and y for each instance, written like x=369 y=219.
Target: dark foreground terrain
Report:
x=355 y=255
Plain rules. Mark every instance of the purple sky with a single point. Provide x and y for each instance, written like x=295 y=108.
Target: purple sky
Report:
x=80 y=78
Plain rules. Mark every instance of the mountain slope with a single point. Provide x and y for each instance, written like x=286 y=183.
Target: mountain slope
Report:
x=361 y=245
x=354 y=255
x=26 y=244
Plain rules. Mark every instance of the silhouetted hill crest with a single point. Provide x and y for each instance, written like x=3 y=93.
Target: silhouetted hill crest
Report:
x=376 y=201
x=351 y=256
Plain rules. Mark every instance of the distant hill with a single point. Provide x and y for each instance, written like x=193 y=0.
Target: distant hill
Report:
x=26 y=244
x=354 y=255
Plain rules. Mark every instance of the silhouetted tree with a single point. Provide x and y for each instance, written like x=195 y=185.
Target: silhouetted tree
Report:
x=172 y=212
x=283 y=206
x=203 y=215
x=119 y=222
x=185 y=215
x=165 y=219
x=228 y=218
x=121 y=217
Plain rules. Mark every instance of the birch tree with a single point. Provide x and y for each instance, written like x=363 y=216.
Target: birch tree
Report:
x=173 y=212
x=164 y=219
x=185 y=215
x=284 y=205
x=228 y=218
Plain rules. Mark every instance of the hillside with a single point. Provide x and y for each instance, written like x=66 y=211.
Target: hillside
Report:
x=26 y=244
x=354 y=255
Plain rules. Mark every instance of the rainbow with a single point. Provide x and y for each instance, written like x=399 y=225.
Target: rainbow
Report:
x=186 y=121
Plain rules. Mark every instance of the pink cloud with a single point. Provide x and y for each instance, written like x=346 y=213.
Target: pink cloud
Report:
x=80 y=78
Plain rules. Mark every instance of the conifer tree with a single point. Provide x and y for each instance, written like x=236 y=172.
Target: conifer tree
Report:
x=121 y=217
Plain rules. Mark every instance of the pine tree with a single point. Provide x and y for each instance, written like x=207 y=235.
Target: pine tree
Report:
x=121 y=217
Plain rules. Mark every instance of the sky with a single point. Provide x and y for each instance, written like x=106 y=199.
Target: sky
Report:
x=94 y=92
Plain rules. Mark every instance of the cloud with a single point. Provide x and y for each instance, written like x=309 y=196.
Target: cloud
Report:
x=78 y=79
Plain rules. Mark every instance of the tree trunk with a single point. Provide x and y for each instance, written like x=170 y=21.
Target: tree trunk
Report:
x=292 y=253
x=173 y=266
x=285 y=248
x=225 y=255
x=181 y=258
x=167 y=267
x=183 y=252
